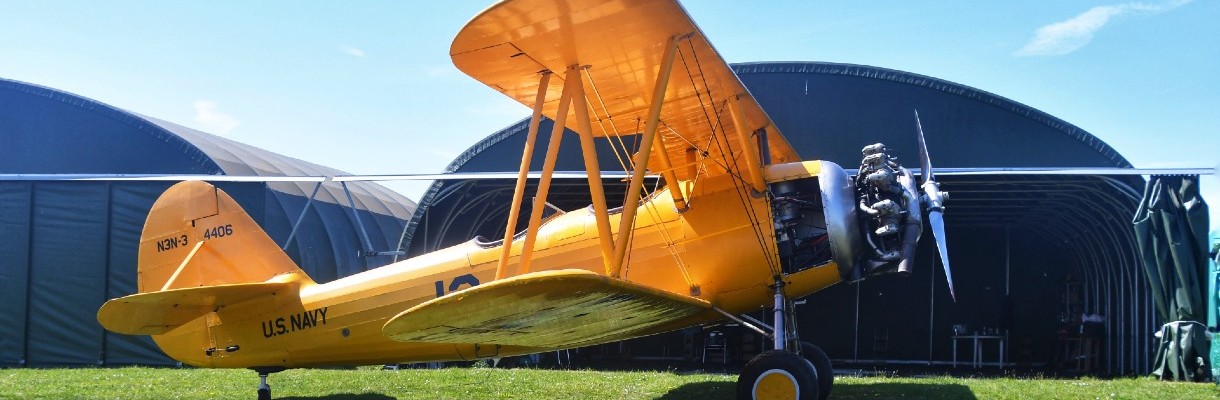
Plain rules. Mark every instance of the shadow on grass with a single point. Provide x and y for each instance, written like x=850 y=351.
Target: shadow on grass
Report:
x=342 y=396
x=702 y=391
x=840 y=391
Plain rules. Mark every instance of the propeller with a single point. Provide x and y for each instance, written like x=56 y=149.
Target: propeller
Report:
x=934 y=202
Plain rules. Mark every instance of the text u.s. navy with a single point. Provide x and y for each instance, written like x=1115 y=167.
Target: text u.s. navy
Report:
x=295 y=322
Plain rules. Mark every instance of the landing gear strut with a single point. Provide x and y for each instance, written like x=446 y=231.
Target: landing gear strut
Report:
x=793 y=370
x=264 y=390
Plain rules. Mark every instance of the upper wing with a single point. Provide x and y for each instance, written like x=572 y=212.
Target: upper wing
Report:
x=622 y=43
x=159 y=312
x=552 y=309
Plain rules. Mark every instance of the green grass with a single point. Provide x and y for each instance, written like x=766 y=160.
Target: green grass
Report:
x=486 y=383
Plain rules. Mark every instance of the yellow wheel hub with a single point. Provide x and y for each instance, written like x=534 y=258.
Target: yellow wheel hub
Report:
x=776 y=384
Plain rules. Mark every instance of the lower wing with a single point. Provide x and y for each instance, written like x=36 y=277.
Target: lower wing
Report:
x=552 y=309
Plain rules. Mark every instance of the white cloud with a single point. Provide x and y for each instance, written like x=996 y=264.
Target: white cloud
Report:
x=352 y=51
x=214 y=121
x=1067 y=36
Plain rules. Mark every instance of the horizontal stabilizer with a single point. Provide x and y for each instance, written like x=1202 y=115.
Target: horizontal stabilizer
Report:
x=552 y=309
x=158 y=312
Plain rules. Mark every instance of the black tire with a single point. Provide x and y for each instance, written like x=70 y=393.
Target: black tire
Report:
x=821 y=363
x=264 y=394
x=778 y=371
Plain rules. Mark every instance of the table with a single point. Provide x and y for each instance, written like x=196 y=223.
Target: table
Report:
x=977 y=351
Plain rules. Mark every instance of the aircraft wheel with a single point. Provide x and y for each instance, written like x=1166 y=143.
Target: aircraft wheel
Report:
x=264 y=394
x=821 y=363
x=778 y=374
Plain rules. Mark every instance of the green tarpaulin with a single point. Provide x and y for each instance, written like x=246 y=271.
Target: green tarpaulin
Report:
x=1213 y=315
x=1171 y=230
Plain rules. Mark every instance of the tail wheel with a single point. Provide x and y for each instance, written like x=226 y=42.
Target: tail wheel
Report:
x=821 y=364
x=778 y=374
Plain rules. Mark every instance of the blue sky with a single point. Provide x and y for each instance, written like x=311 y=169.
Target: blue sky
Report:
x=368 y=87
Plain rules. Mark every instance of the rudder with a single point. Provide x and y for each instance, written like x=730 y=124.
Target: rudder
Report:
x=197 y=235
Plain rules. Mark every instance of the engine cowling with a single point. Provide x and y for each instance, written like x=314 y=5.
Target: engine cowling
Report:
x=815 y=216
x=867 y=225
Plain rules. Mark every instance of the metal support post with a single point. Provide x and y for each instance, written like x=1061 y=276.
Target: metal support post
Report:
x=301 y=217
x=364 y=235
x=781 y=332
x=752 y=324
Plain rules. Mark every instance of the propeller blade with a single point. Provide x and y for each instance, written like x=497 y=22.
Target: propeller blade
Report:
x=925 y=162
x=934 y=202
x=937 y=220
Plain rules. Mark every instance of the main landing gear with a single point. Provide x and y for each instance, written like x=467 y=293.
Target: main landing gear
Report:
x=794 y=370
x=264 y=390
x=778 y=374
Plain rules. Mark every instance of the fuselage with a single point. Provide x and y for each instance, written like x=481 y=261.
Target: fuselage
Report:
x=722 y=249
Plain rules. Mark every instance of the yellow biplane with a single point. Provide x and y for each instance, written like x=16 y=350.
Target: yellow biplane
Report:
x=740 y=224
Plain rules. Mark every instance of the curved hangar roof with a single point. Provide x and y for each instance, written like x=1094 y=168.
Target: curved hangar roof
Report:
x=66 y=247
x=830 y=111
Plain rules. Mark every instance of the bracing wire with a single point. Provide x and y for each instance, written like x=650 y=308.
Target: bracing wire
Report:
x=675 y=132
x=617 y=142
x=726 y=149
x=670 y=244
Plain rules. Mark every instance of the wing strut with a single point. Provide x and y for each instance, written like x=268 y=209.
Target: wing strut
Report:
x=519 y=192
x=587 y=146
x=748 y=146
x=671 y=178
x=573 y=94
x=631 y=202
x=544 y=183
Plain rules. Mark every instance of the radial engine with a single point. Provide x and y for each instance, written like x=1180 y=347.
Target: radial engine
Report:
x=867 y=224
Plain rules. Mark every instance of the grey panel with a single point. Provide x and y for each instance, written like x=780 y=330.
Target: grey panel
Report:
x=67 y=283
x=14 y=268
x=343 y=237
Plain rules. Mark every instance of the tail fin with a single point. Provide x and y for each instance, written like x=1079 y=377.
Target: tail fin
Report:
x=196 y=235
x=199 y=252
